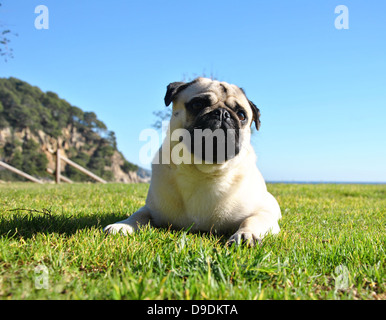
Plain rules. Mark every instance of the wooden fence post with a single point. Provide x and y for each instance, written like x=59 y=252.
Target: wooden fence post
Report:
x=57 y=165
x=85 y=171
x=73 y=164
x=20 y=173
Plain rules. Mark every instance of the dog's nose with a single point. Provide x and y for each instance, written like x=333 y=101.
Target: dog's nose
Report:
x=222 y=114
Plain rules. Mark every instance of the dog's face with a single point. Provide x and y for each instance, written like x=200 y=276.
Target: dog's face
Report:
x=217 y=115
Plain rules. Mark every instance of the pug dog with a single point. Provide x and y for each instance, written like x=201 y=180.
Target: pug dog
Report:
x=207 y=190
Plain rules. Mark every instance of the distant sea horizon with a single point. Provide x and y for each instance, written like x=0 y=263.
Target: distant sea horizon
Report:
x=327 y=182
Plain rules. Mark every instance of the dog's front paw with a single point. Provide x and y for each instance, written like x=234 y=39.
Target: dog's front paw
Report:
x=115 y=228
x=244 y=237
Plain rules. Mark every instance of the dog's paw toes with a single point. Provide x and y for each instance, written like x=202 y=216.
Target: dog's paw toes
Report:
x=244 y=237
x=122 y=228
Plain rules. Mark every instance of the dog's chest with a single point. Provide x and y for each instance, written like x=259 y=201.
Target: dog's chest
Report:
x=206 y=202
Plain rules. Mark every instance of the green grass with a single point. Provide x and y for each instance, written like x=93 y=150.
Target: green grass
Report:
x=60 y=227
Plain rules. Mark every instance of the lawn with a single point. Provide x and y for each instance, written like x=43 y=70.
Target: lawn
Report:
x=332 y=246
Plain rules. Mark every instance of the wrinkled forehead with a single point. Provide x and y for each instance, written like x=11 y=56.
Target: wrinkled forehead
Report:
x=218 y=91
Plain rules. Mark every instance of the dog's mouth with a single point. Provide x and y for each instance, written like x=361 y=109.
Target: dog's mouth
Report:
x=215 y=137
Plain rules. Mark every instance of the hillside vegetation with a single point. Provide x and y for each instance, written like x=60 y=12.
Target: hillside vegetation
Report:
x=33 y=123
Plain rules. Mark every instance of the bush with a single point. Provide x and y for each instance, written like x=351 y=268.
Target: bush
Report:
x=128 y=166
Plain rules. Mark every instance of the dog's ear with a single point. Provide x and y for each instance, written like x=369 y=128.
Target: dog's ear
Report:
x=172 y=90
x=175 y=88
x=256 y=114
x=255 y=111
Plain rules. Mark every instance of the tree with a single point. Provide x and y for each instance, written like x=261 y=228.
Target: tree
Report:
x=5 y=50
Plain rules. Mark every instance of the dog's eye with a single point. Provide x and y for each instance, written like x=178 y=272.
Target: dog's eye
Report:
x=241 y=115
x=198 y=104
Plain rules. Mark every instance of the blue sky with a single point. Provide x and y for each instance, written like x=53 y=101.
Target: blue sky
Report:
x=321 y=91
